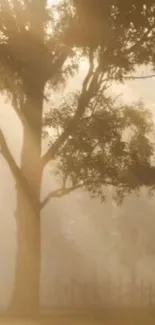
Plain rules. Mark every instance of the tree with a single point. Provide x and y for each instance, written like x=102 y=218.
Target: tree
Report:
x=135 y=223
x=35 y=44
x=28 y=59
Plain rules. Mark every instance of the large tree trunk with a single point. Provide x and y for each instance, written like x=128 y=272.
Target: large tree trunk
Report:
x=25 y=299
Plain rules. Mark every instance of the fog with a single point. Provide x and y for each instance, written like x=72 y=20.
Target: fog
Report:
x=82 y=241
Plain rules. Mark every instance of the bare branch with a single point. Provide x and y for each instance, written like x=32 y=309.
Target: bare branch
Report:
x=16 y=172
x=129 y=77
x=50 y=154
x=8 y=156
x=18 y=111
x=59 y=193
x=65 y=191
x=139 y=77
x=90 y=72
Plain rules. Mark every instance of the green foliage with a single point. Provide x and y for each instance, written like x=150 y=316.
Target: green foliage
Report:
x=31 y=49
x=121 y=33
x=110 y=145
x=97 y=142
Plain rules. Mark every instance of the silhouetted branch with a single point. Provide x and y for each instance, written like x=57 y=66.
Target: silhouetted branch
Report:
x=18 y=111
x=8 y=156
x=86 y=93
x=141 y=40
x=65 y=191
x=139 y=77
x=59 y=193
x=130 y=77
x=90 y=72
x=16 y=172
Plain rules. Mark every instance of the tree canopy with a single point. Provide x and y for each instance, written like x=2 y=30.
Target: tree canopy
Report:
x=110 y=146
x=135 y=224
x=99 y=142
x=96 y=140
x=121 y=32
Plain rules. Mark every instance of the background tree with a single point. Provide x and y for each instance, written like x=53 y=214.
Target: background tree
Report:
x=35 y=43
x=135 y=224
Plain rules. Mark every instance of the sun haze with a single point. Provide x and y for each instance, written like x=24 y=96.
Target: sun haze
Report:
x=53 y=2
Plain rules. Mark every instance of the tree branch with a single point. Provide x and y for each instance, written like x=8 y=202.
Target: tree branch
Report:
x=139 y=77
x=87 y=87
x=59 y=193
x=65 y=191
x=130 y=77
x=8 y=156
x=16 y=172
x=143 y=39
x=18 y=111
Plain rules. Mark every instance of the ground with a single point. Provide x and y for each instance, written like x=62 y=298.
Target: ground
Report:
x=142 y=316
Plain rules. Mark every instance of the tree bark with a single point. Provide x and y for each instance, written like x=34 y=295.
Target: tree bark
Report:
x=26 y=294
x=25 y=299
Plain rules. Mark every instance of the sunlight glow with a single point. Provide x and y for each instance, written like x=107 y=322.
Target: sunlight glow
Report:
x=84 y=65
x=53 y=2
